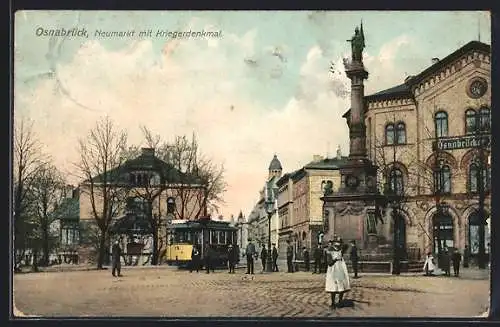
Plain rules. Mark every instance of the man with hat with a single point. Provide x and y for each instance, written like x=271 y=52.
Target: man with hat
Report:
x=275 y=257
x=337 y=277
x=250 y=252
x=318 y=256
x=289 y=256
x=231 y=258
x=116 y=252
x=354 y=258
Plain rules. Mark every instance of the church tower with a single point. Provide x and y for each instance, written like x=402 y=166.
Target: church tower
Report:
x=275 y=168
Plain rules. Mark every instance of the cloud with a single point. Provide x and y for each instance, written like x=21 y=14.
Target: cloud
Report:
x=391 y=65
x=198 y=85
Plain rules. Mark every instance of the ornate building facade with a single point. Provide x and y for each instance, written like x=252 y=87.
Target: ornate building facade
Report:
x=429 y=137
x=299 y=202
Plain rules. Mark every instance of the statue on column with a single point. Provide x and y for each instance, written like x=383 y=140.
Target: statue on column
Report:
x=357 y=44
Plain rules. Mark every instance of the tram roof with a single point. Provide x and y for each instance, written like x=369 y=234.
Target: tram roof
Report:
x=212 y=224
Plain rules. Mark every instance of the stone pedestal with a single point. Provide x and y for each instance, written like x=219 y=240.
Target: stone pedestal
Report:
x=372 y=242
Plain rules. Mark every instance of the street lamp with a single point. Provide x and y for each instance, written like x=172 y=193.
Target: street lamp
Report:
x=396 y=259
x=482 y=217
x=270 y=211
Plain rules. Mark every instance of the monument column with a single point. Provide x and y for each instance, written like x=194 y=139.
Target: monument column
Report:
x=355 y=203
x=356 y=72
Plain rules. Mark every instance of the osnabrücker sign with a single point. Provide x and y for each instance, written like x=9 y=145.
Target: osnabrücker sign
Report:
x=462 y=142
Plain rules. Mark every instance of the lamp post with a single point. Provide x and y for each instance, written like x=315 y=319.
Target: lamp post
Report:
x=269 y=210
x=396 y=259
x=481 y=262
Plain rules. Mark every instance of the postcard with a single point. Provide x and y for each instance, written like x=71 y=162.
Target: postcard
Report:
x=305 y=164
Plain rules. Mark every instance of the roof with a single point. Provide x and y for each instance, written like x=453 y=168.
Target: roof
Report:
x=328 y=163
x=275 y=164
x=283 y=179
x=206 y=224
x=298 y=174
x=152 y=163
x=399 y=91
x=404 y=90
x=473 y=45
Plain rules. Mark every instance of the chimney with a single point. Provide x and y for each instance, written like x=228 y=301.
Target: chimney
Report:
x=148 y=152
x=317 y=158
x=435 y=60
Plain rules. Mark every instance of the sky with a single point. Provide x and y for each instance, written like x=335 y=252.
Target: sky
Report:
x=262 y=86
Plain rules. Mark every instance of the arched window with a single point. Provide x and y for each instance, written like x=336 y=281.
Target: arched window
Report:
x=470 y=121
x=170 y=205
x=473 y=178
x=396 y=183
x=442 y=179
x=441 y=122
x=389 y=134
x=484 y=119
x=474 y=222
x=401 y=133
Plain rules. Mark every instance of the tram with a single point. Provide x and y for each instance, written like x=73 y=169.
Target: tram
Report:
x=182 y=235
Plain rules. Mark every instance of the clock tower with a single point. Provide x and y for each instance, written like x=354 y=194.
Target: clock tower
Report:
x=352 y=208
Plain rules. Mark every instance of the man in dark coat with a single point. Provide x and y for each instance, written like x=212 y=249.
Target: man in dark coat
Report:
x=445 y=262
x=324 y=262
x=207 y=256
x=456 y=257
x=354 y=258
x=307 y=262
x=275 y=257
x=466 y=257
x=289 y=256
x=318 y=256
x=263 y=257
x=116 y=252
x=250 y=252
x=231 y=258
x=195 y=259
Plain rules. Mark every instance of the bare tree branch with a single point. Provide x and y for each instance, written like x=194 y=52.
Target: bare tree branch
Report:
x=101 y=160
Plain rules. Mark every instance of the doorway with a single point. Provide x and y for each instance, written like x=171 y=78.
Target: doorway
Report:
x=442 y=231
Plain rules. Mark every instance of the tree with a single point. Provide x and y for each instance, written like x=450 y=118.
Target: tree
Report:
x=28 y=160
x=46 y=195
x=193 y=168
x=194 y=184
x=395 y=193
x=102 y=154
x=185 y=156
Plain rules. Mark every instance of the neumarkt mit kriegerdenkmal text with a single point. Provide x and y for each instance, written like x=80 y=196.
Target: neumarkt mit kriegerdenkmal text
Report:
x=158 y=33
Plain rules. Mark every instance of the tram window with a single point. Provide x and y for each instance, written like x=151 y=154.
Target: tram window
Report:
x=222 y=237
x=214 y=238
x=229 y=238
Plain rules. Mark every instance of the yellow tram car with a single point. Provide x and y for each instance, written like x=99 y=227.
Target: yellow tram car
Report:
x=182 y=235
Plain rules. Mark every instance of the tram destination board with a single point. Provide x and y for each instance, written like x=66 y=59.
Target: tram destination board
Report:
x=462 y=142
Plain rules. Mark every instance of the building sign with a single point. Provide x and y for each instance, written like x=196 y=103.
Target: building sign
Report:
x=462 y=142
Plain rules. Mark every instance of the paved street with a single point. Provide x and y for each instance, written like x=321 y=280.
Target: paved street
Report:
x=166 y=291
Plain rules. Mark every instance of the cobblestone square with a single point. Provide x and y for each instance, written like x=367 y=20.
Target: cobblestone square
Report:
x=168 y=292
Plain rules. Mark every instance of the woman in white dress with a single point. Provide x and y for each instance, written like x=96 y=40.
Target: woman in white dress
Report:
x=337 y=277
x=429 y=265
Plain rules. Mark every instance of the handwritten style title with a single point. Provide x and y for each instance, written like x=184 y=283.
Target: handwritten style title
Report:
x=150 y=33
